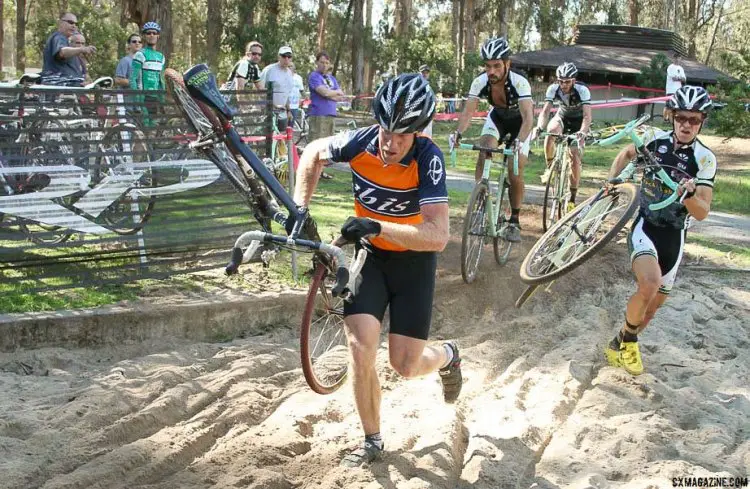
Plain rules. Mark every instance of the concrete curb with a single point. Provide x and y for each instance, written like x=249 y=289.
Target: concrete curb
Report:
x=205 y=319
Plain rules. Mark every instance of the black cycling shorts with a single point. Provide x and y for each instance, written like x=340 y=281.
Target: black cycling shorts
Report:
x=507 y=122
x=664 y=243
x=405 y=280
x=570 y=124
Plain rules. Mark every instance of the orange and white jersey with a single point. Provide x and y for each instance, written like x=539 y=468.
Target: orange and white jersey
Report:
x=391 y=192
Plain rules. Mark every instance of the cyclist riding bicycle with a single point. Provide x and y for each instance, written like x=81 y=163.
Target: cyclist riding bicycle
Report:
x=512 y=114
x=401 y=207
x=657 y=238
x=573 y=116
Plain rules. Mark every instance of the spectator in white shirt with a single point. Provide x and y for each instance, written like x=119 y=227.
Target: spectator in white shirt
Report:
x=675 y=79
x=280 y=77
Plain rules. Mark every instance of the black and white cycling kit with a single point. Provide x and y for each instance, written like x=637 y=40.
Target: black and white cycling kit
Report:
x=662 y=233
x=570 y=106
x=503 y=119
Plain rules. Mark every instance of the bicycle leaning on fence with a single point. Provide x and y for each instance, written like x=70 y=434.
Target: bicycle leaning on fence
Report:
x=324 y=351
x=591 y=225
x=485 y=217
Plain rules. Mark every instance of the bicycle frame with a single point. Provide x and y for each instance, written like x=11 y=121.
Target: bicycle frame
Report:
x=630 y=169
x=494 y=208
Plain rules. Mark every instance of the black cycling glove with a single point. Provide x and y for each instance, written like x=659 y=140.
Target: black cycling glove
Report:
x=356 y=228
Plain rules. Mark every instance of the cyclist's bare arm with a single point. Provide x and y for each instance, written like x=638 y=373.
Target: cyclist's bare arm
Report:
x=621 y=160
x=241 y=83
x=465 y=118
x=586 y=124
x=699 y=205
x=308 y=172
x=122 y=82
x=527 y=114
x=541 y=123
x=430 y=235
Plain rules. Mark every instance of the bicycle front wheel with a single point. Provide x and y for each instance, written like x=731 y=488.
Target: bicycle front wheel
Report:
x=475 y=226
x=579 y=234
x=324 y=350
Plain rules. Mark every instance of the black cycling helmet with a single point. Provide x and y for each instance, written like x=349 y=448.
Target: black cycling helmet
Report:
x=567 y=70
x=495 y=48
x=690 y=98
x=404 y=104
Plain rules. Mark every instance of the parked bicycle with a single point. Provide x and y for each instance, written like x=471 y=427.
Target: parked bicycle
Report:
x=485 y=217
x=591 y=225
x=323 y=346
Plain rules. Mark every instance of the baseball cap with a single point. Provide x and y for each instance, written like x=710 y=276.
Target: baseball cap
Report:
x=285 y=50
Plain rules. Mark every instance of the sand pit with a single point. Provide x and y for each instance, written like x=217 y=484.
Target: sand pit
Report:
x=540 y=407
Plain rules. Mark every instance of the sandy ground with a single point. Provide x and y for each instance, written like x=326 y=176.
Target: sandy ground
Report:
x=539 y=409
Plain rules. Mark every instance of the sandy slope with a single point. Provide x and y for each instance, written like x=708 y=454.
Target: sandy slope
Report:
x=540 y=408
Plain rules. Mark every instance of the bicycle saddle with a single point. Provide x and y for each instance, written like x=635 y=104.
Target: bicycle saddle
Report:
x=201 y=84
x=103 y=82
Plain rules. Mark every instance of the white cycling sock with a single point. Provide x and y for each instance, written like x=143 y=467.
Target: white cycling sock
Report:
x=449 y=351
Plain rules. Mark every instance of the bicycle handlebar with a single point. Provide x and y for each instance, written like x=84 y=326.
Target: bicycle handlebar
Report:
x=504 y=151
x=345 y=276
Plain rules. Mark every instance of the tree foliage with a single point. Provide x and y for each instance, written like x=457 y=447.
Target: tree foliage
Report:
x=655 y=75
x=732 y=120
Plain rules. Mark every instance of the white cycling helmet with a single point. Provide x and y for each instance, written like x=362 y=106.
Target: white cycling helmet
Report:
x=404 y=104
x=495 y=48
x=690 y=98
x=567 y=70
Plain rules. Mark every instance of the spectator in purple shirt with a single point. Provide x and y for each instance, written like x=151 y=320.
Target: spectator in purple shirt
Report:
x=324 y=93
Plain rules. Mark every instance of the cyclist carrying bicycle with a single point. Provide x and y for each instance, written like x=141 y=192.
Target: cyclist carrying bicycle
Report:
x=573 y=116
x=512 y=114
x=657 y=238
x=401 y=207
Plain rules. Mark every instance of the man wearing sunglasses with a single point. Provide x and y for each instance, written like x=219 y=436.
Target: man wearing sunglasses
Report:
x=657 y=238
x=573 y=116
x=122 y=72
x=246 y=70
x=61 y=64
x=280 y=76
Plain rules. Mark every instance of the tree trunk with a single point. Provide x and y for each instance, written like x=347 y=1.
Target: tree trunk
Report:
x=20 y=36
x=213 y=33
x=2 y=37
x=634 y=8
x=692 y=26
x=460 y=40
x=358 y=51
x=469 y=42
x=455 y=29
x=368 y=54
x=503 y=12
x=713 y=36
x=322 y=20
x=347 y=16
x=403 y=12
x=273 y=13
x=142 y=11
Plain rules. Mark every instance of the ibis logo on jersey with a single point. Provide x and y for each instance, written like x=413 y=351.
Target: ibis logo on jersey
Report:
x=384 y=200
x=436 y=170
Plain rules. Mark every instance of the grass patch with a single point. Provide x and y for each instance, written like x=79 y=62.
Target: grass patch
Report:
x=709 y=247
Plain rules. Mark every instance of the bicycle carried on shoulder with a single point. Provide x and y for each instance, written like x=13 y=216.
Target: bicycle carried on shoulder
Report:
x=323 y=346
x=592 y=224
x=486 y=217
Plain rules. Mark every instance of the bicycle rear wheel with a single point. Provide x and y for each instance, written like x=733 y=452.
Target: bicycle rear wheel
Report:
x=579 y=234
x=324 y=350
x=475 y=226
x=501 y=245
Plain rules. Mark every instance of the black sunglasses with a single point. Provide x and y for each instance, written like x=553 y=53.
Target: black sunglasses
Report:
x=71 y=22
x=286 y=56
x=151 y=33
x=136 y=42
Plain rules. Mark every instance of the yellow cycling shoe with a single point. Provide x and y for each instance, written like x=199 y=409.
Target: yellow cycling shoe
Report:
x=613 y=356
x=570 y=207
x=630 y=357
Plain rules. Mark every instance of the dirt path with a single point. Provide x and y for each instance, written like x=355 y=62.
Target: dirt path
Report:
x=539 y=405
